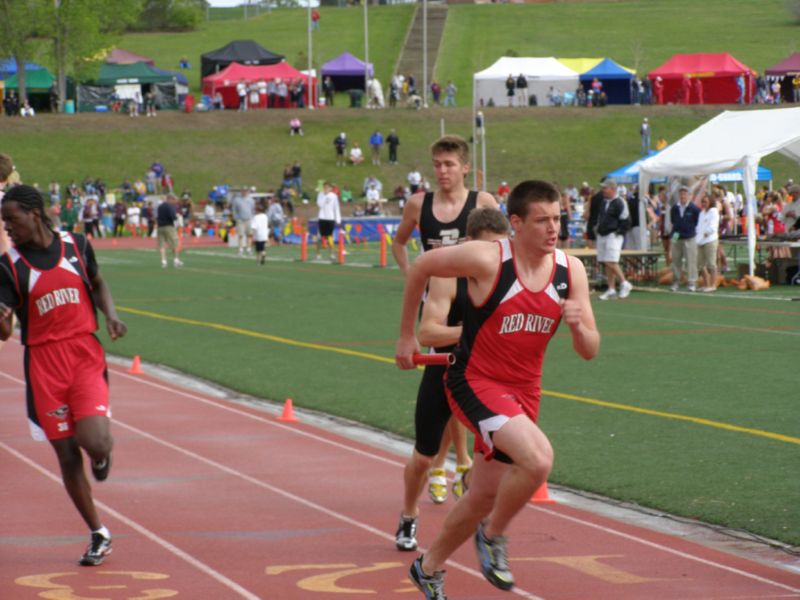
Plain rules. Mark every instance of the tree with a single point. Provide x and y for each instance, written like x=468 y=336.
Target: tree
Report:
x=171 y=15
x=16 y=31
x=80 y=29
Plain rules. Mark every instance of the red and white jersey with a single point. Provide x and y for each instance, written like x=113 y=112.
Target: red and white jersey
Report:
x=505 y=338
x=55 y=304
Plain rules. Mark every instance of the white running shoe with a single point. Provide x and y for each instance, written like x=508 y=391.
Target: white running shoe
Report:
x=178 y=262
x=437 y=485
x=625 y=289
x=609 y=294
x=692 y=288
x=674 y=287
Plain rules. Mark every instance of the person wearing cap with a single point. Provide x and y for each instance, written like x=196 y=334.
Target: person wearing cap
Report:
x=790 y=215
x=684 y=217
x=644 y=131
x=612 y=217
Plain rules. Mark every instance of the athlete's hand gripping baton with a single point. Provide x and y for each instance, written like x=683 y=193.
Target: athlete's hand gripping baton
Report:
x=434 y=359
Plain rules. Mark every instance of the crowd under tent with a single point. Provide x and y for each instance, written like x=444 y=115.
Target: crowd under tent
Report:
x=785 y=71
x=731 y=140
x=225 y=81
x=615 y=78
x=629 y=174
x=542 y=74
x=244 y=52
x=718 y=74
x=37 y=87
x=125 y=81
x=347 y=72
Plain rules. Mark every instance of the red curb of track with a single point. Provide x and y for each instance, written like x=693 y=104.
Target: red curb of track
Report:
x=213 y=499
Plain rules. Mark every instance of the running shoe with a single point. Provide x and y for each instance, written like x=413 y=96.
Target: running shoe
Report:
x=163 y=264
x=674 y=287
x=178 y=262
x=437 y=485
x=100 y=468
x=609 y=294
x=493 y=558
x=96 y=552
x=406 y=536
x=459 y=485
x=430 y=585
x=625 y=289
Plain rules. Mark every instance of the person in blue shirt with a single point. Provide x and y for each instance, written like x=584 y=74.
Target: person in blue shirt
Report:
x=684 y=217
x=376 y=142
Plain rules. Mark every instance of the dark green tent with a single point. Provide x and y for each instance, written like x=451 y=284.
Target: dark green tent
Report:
x=38 y=80
x=130 y=73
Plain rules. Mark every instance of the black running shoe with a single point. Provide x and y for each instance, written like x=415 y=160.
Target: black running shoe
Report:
x=430 y=585
x=100 y=468
x=96 y=553
x=493 y=559
x=406 y=536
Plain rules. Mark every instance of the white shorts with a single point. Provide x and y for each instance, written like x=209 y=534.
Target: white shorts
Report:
x=608 y=247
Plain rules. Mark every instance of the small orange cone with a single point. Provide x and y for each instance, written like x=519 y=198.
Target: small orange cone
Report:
x=541 y=496
x=288 y=412
x=136 y=367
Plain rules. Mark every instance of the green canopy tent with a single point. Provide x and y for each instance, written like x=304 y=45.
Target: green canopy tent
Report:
x=37 y=87
x=123 y=81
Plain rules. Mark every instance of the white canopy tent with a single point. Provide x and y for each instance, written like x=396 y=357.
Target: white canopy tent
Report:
x=731 y=140
x=541 y=73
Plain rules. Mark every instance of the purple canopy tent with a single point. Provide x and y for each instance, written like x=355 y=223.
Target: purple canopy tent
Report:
x=785 y=71
x=347 y=72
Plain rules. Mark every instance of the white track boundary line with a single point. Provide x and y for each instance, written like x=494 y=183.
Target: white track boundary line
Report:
x=183 y=555
x=705 y=324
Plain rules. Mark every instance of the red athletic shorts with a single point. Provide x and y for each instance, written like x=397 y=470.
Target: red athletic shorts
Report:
x=484 y=406
x=67 y=382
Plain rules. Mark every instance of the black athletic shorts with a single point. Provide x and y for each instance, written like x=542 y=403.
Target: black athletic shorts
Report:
x=432 y=412
x=326 y=227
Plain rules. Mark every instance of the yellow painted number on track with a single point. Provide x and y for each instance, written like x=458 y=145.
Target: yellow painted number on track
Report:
x=97 y=583
x=328 y=582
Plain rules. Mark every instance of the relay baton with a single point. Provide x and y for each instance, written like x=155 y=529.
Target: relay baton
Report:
x=434 y=359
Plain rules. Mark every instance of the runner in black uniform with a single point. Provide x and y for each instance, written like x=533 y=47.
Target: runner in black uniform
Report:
x=441 y=217
x=446 y=298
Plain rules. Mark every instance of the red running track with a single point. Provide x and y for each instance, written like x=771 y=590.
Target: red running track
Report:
x=214 y=499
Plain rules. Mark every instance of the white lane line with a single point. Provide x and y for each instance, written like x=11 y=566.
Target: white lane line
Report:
x=185 y=556
x=667 y=549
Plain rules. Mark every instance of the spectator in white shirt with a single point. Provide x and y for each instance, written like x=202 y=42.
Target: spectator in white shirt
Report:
x=328 y=216
x=790 y=215
x=414 y=180
x=707 y=242
x=356 y=154
x=259 y=225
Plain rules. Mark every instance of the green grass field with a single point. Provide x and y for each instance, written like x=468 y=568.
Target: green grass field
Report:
x=687 y=409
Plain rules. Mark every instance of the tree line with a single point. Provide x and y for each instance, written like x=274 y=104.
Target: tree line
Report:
x=78 y=33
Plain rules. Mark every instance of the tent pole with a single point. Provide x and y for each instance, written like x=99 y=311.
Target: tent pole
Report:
x=425 y=53
x=366 y=49
x=309 y=80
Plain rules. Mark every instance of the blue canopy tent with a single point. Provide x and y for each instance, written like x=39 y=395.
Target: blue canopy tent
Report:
x=616 y=80
x=629 y=174
x=8 y=67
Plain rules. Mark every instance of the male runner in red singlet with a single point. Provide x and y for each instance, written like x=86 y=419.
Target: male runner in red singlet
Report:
x=51 y=281
x=519 y=291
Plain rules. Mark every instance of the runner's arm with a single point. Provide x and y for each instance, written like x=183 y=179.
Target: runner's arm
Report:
x=477 y=260
x=577 y=312
x=411 y=216
x=433 y=328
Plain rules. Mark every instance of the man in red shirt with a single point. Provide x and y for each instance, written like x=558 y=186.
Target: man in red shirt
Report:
x=519 y=291
x=51 y=281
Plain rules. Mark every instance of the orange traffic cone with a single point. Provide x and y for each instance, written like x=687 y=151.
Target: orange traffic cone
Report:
x=136 y=367
x=541 y=496
x=288 y=412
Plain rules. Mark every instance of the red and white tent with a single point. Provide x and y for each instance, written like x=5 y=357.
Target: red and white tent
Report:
x=225 y=81
x=717 y=74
